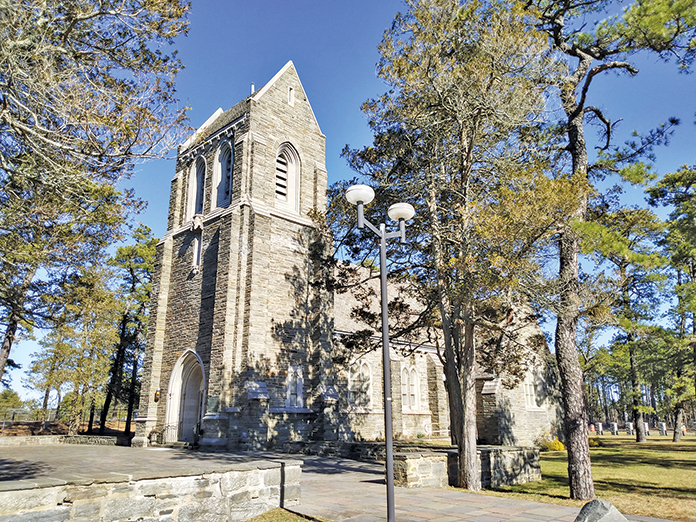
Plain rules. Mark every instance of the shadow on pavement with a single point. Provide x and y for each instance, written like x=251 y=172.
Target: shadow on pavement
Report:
x=21 y=469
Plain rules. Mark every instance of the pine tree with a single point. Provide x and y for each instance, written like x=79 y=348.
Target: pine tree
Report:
x=455 y=136
x=663 y=27
x=86 y=88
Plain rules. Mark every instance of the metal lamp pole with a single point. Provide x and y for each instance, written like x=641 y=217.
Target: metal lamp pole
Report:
x=361 y=195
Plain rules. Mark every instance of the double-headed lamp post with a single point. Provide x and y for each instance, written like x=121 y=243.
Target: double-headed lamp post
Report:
x=361 y=195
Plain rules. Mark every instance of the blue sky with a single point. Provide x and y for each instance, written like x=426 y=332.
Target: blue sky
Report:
x=333 y=44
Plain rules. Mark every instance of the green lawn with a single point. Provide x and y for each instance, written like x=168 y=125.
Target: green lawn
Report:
x=657 y=478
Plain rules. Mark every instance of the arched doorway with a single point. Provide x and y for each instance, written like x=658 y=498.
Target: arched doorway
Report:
x=185 y=399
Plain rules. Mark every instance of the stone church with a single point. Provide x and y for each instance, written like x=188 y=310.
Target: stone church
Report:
x=240 y=341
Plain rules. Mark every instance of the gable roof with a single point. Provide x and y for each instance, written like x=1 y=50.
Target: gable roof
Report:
x=191 y=139
x=263 y=90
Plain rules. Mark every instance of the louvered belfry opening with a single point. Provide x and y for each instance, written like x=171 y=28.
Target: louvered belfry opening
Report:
x=226 y=164
x=282 y=168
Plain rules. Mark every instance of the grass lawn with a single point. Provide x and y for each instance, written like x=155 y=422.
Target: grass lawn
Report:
x=657 y=478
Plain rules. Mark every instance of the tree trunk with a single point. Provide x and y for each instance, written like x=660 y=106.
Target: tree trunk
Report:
x=606 y=402
x=469 y=473
x=636 y=393
x=133 y=385
x=58 y=407
x=116 y=371
x=678 y=421
x=90 y=424
x=7 y=341
x=20 y=296
x=44 y=406
x=574 y=408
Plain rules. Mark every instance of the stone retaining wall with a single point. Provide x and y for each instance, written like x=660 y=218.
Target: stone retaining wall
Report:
x=500 y=465
x=420 y=470
x=49 y=440
x=238 y=494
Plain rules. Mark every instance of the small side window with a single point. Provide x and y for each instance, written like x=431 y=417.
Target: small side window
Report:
x=293 y=398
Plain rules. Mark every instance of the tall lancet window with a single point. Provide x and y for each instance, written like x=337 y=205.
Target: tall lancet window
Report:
x=286 y=182
x=223 y=176
x=196 y=188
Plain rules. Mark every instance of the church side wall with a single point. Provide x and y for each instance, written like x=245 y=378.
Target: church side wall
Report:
x=528 y=423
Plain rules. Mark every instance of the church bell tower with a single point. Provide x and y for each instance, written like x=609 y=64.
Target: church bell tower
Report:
x=238 y=337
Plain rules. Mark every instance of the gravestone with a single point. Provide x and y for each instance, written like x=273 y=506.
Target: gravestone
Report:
x=629 y=428
x=614 y=428
x=647 y=428
x=663 y=429
x=600 y=428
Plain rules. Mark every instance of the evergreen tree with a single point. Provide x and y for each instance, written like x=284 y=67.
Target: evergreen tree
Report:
x=660 y=26
x=86 y=88
x=677 y=190
x=83 y=339
x=135 y=265
x=455 y=135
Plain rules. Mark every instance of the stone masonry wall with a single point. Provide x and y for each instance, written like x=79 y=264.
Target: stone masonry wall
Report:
x=420 y=470
x=52 y=440
x=235 y=495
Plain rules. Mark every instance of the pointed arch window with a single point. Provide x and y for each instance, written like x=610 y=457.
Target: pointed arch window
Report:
x=287 y=168
x=409 y=389
x=360 y=386
x=531 y=397
x=196 y=188
x=222 y=186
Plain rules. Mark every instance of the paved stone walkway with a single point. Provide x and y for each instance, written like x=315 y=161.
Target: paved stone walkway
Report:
x=333 y=489
x=347 y=490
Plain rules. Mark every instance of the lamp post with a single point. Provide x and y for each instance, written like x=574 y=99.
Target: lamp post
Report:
x=361 y=195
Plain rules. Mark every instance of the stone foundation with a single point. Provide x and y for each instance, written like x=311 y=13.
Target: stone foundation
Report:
x=241 y=493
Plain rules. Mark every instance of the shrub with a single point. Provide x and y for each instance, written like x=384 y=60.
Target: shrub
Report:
x=551 y=445
x=595 y=442
x=420 y=435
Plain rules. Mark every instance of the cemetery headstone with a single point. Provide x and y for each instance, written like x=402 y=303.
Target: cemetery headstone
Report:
x=629 y=428
x=663 y=429
x=614 y=428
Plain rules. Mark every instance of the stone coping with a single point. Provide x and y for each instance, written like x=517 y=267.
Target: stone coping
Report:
x=48 y=466
x=150 y=474
x=240 y=493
